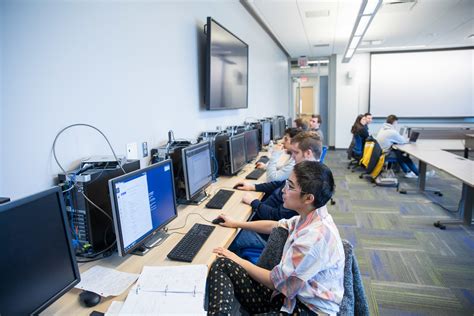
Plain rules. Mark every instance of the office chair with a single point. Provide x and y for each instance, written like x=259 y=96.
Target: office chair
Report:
x=321 y=160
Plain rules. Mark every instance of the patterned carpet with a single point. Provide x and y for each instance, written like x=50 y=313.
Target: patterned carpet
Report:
x=409 y=267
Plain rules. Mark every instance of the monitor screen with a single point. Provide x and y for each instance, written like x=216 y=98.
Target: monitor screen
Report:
x=143 y=202
x=276 y=134
x=227 y=69
x=197 y=168
x=266 y=132
x=38 y=264
x=251 y=144
x=237 y=152
x=282 y=126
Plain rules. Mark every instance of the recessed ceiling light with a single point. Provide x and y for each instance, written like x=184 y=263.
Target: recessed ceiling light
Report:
x=321 y=45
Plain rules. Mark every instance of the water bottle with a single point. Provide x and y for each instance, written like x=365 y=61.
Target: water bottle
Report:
x=270 y=147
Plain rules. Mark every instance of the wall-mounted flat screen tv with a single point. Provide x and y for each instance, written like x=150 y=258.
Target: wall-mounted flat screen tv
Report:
x=226 y=69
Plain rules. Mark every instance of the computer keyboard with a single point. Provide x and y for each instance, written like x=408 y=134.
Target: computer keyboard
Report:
x=263 y=159
x=219 y=199
x=255 y=174
x=187 y=248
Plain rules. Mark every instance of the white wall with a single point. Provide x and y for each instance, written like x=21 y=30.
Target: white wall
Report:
x=352 y=95
x=131 y=69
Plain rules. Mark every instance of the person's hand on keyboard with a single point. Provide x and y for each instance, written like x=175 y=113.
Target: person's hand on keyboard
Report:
x=260 y=165
x=244 y=186
x=248 y=198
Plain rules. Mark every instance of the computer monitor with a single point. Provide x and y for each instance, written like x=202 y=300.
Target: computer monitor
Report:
x=251 y=144
x=237 y=153
x=143 y=202
x=282 y=123
x=38 y=264
x=276 y=134
x=266 y=132
x=197 y=171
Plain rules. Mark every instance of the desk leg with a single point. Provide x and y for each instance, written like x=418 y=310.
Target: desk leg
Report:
x=422 y=176
x=467 y=203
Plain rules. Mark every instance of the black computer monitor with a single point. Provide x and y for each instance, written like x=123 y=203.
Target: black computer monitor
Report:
x=237 y=153
x=266 y=132
x=38 y=264
x=251 y=144
x=197 y=170
x=143 y=202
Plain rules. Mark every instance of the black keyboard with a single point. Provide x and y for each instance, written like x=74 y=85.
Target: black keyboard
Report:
x=219 y=199
x=255 y=174
x=263 y=159
x=187 y=248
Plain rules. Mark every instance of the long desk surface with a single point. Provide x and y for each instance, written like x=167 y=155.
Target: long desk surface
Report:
x=220 y=237
x=458 y=167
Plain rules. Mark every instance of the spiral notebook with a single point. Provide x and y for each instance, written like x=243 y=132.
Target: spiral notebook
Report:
x=168 y=290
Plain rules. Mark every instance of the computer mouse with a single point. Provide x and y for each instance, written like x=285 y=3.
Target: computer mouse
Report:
x=218 y=220
x=89 y=299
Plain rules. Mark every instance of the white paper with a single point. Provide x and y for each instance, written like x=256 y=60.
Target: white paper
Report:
x=114 y=308
x=189 y=279
x=106 y=281
x=176 y=290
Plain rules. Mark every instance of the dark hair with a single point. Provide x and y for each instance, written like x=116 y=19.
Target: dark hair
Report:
x=356 y=127
x=368 y=114
x=292 y=131
x=318 y=117
x=315 y=178
x=392 y=118
x=309 y=141
x=300 y=123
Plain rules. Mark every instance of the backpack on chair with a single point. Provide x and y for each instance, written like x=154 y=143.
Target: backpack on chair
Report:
x=373 y=158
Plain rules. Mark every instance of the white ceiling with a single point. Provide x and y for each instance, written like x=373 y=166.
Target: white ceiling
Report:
x=299 y=25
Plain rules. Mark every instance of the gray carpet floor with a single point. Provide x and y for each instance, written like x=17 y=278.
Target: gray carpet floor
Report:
x=409 y=267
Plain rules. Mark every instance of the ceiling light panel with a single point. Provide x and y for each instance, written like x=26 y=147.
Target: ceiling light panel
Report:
x=363 y=23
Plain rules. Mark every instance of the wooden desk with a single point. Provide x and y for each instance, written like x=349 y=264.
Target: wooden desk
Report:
x=458 y=167
x=220 y=237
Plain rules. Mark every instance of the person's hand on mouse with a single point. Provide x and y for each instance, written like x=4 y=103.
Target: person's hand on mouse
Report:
x=228 y=222
x=248 y=198
x=260 y=165
x=244 y=186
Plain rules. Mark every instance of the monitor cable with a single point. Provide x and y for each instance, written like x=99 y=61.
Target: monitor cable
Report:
x=186 y=221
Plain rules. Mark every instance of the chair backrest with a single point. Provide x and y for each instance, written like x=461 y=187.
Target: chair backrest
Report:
x=324 y=150
x=358 y=146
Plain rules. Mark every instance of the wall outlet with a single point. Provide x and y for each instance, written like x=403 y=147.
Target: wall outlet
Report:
x=144 y=150
x=132 y=151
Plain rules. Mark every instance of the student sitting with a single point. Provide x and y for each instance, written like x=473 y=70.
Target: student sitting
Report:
x=315 y=125
x=301 y=123
x=309 y=277
x=359 y=128
x=388 y=136
x=276 y=172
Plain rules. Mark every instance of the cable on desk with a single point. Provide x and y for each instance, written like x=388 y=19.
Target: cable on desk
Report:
x=186 y=221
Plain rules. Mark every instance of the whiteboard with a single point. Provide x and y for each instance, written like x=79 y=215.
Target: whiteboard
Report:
x=422 y=84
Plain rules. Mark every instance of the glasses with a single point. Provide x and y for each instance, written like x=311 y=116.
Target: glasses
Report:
x=289 y=187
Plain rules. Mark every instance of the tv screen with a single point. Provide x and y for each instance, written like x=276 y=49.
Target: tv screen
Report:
x=226 y=69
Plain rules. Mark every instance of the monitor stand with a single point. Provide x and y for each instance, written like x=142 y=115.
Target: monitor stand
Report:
x=152 y=242
x=196 y=201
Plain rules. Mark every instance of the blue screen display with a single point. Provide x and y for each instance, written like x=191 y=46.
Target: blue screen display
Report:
x=144 y=202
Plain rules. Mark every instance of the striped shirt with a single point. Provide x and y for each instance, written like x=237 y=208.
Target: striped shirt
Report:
x=312 y=265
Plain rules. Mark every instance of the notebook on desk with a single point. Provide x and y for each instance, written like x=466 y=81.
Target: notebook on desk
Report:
x=164 y=290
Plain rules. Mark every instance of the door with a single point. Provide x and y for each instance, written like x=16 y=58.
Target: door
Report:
x=307 y=100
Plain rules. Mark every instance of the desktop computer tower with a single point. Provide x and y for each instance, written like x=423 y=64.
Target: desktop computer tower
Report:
x=92 y=230
x=222 y=153
x=176 y=155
